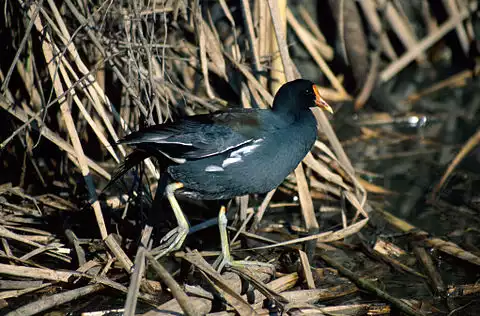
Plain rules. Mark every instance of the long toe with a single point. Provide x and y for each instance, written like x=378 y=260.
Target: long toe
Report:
x=172 y=241
x=182 y=234
x=164 y=250
x=243 y=264
x=169 y=235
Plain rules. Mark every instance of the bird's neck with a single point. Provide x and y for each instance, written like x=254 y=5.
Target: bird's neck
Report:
x=291 y=113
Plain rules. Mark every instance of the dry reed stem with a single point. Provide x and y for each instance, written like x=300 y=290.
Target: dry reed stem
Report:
x=115 y=248
x=321 y=186
x=37 y=273
x=187 y=305
x=305 y=37
x=38 y=251
x=360 y=191
x=333 y=95
x=370 y=287
x=383 y=253
x=370 y=82
x=278 y=72
x=235 y=47
x=307 y=271
x=102 y=138
x=201 y=41
x=138 y=273
x=312 y=25
x=373 y=188
x=247 y=15
x=317 y=37
x=436 y=281
x=325 y=237
x=17 y=293
x=28 y=81
x=215 y=50
x=315 y=295
x=256 y=96
x=471 y=144
x=452 y=9
x=391 y=70
x=247 y=216
x=16 y=58
x=106 y=55
x=92 y=86
x=402 y=29
x=261 y=210
x=324 y=172
x=453 y=250
x=94 y=90
x=216 y=280
x=55 y=300
x=50 y=135
x=67 y=117
x=455 y=80
x=370 y=11
x=5 y=233
x=262 y=15
x=203 y=303
x=445 y=246
x=72 y=238
x=255 y=83
x=464 y=290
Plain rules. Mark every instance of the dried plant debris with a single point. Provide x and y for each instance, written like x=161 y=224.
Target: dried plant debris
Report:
x=380 y=218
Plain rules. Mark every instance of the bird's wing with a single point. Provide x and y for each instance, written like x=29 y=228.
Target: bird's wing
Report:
x=201 y=136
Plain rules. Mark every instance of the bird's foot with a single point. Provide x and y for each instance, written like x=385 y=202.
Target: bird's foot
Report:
x=226 y=258
x=229 y=262
x=172 y=241
x=169 y=235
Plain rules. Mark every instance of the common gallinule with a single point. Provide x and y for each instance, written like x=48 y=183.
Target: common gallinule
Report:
x=226 y=154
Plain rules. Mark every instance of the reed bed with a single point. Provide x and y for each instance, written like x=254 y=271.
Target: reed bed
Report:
x=78 y=76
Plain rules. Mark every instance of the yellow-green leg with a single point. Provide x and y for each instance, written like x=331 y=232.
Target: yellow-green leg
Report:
x=222 y=226
x=174 y=239
x=227 y=260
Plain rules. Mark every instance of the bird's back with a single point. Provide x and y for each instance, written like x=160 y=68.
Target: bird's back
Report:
x=255 y=167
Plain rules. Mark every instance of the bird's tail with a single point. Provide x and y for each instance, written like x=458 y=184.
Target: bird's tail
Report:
x=132 y=160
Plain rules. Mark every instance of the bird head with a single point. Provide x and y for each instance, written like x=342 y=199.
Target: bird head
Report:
x=298 y=95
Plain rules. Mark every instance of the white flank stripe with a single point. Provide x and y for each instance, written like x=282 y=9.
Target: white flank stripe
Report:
x=176 y=160
x=243 y=151
x=236 y=156
x=229 y=161
x=214 y=168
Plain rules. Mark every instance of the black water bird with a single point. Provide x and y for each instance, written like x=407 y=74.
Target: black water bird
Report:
x=232 y=153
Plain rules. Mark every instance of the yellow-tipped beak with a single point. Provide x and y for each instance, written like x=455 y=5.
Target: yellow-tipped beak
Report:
x=320 y=102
